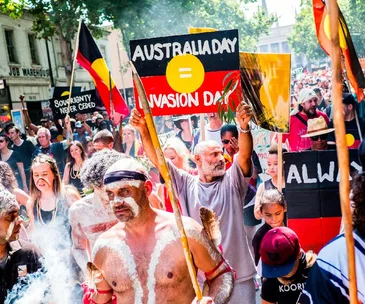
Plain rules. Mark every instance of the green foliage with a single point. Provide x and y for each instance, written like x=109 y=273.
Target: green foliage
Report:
x=12 y=8
x=170 y=17
x=303 y=39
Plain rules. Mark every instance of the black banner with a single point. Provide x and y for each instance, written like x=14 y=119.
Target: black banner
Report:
x=312 y=183
x=218 y=51
x=84 y=102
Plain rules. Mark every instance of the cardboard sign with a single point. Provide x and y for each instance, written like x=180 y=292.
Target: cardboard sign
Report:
x=312 y=195
x=84 y=102
x=184 y=74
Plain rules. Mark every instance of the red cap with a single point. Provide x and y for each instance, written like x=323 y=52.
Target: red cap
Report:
x=279 y=250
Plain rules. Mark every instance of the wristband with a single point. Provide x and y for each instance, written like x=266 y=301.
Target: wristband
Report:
x=243 y=131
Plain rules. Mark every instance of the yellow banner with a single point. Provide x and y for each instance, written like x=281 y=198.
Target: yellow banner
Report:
x=265 y=80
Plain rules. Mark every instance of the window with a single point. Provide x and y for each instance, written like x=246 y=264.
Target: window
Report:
x=275 y=48
x=285 y=47
x=9 y=38
x=264 y=48
x=33 y=49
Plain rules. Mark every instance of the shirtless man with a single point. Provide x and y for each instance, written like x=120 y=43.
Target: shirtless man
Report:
x=141 y=258
x=92 y=215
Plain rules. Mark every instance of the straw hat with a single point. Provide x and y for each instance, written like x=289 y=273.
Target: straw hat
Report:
x=317 y=126
x=304 y=95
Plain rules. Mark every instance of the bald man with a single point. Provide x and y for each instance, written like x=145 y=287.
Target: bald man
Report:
x=141 y=259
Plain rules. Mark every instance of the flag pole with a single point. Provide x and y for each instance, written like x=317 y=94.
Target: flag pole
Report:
x=73 y=67
x=342 y=150
x=166 y=176
x=280 y=162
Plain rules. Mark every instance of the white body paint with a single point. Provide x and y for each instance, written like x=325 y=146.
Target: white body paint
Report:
x=126 y=255
x=128 y=201
x=168 y=238
x=9 y=232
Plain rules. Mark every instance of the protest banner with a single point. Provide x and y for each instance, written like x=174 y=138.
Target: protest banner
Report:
x=185 y=74
x=84 y=102
x=265 y=80
x=261 y=142
x=312 y=194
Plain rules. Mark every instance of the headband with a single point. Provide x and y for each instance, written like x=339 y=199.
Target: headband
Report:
x=117 y=176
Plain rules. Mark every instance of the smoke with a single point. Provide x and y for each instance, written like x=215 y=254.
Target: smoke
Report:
x=56 y=282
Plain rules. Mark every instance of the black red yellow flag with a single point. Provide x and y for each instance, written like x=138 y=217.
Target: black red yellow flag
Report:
x=90 y=58
x=352 y=64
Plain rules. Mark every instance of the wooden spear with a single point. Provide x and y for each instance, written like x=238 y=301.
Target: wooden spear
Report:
x=342 y=149
x=166 y=176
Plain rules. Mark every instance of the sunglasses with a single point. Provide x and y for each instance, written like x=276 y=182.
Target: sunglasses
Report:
x=225 y=141
x=2 y=140
x=322 y=137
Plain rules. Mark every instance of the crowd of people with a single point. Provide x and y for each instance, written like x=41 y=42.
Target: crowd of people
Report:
x=85 y=216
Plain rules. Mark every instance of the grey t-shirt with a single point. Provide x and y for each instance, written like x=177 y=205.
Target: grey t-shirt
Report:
x=225 y=197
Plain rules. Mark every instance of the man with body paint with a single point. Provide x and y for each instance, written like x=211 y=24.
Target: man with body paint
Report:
x=17 y=258
x=141 y=259
x=92 y=215
x=219 y=190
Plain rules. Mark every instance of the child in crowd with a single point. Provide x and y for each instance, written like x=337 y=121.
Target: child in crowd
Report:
x=273 y=208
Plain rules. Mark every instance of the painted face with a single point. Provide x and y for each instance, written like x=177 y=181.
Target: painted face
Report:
x=226 y=142
x=128 y=136
x=272 y=165
x=175 y=159
x=212 y=161
x=273 y=215
x=43 y=139
x=43 y=176
x=309 y=107
x=3 y=142
x=75 y=152
x=10 y=225
x=13 y=135
x=125 y=199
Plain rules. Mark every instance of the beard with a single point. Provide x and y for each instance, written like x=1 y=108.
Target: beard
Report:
x=214 y=169
x=311 y=112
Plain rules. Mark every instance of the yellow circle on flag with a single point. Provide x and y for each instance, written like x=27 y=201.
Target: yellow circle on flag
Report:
x=350 y=139
x=341 y=36
x=185 y=73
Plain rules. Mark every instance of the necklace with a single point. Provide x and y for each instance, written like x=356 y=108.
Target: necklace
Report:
x=54 y=213
x=75 y=175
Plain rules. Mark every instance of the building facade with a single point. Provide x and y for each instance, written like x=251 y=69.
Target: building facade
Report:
x=29 y=68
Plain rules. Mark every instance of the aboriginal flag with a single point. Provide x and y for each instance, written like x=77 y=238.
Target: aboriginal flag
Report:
x=90 y=58
x=352 y=64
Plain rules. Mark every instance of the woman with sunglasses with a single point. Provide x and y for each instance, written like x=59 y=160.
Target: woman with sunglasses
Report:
x=13 y=159
x=75 y=159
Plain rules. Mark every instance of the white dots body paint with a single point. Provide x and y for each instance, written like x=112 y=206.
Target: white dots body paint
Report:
x=166 y=239
x=126 y=256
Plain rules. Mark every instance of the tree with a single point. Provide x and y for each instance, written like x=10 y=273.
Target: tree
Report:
x=303 y=39
x=170 y=17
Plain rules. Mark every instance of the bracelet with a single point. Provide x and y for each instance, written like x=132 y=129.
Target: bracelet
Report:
x=243 y=131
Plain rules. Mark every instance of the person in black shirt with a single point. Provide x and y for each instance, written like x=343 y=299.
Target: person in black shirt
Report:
x=17 y=258
x=285 y=266
x=272 y=208
x=355 y=130
x=318 y=132
x=24 y=148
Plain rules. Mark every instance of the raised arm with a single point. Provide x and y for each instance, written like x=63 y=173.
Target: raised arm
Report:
x=244 y=114
x=137 y=121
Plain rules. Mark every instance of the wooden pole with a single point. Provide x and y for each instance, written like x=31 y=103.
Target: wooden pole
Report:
x=202 y=126
x=166 y=176
x=280 y=162
x=342 y=149
x=73 y=67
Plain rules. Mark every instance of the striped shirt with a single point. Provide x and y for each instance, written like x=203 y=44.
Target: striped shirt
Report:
x=328 y=280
